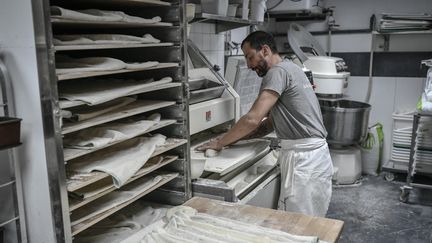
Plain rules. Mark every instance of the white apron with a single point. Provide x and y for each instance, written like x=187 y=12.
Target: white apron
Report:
x=306 y=176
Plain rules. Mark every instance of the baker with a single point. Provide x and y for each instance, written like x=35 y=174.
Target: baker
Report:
x=287 y=105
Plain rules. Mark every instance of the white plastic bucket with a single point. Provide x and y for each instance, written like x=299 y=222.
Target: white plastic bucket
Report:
x=257 y=10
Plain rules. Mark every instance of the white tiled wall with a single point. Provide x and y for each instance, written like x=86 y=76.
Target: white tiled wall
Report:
x=211 y=44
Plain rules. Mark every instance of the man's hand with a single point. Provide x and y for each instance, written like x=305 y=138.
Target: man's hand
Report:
x=212 y=144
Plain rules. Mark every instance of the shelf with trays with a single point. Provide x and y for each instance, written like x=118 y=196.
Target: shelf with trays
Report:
x=223 y=23
x=73 y=153
x=108 y=46
x=387 y=35
x=167 y=98
x=89 y=178
x=137 y=107
x=104 y=24
x=149 y=167
x=134 y=3
x=153 y=86
x=61 y=77
x=97 y=218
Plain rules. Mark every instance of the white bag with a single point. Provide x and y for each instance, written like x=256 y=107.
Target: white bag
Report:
x=371 y=150
x=425 y=102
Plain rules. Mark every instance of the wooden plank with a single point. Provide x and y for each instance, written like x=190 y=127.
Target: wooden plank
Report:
x=70 y=153
x=61 y=77
x=107 y=46
x=294 y=223
x=83 y=179
x=92 y=221
x=137 y=107
x=156 y=85
x=148 y=168
x=103 y=24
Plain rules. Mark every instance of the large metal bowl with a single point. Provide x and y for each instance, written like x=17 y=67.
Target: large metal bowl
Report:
x=346 y=121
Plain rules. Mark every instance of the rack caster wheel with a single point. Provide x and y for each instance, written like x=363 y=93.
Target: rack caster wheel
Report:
x=388 y=176
x=404 y=194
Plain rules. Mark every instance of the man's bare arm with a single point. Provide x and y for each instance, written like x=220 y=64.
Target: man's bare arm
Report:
x=247 y=123
x=264 y=128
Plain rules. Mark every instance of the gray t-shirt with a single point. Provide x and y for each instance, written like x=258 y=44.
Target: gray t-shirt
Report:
x=297 y=113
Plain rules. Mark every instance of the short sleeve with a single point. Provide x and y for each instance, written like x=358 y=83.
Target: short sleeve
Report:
x=275 y=80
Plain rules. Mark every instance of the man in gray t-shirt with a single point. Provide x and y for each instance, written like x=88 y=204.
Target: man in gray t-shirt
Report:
x=288 y=105
x=297 y=112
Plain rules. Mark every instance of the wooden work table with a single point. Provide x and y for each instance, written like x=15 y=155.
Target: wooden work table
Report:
x=294 y=223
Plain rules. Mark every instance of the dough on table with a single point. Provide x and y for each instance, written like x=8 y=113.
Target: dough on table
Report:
x=211 y=153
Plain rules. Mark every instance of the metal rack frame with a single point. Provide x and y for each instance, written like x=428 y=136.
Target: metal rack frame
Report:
x=180 y=190
x=406 y=189
x=410 y=184
x=15 y=179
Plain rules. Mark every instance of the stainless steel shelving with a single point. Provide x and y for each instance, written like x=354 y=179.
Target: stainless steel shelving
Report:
x=168 y=99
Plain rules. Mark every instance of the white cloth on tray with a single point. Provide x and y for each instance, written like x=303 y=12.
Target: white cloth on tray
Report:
x=100 y=91
x=93 y=39
x=120 y=161
x=92 y=138
x=141 y=65
x=98 y=15
x=123 y=224
x=100 y=136
x=67 y=65
x=81 y=113
x=62 y=13
x=114 y=199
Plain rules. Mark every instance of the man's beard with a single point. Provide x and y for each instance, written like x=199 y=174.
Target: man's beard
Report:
x=262 y=68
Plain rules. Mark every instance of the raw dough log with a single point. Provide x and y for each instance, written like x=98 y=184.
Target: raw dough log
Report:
x=211 y=153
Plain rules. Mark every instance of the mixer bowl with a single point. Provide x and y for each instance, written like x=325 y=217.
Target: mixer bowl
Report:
x=346 y=121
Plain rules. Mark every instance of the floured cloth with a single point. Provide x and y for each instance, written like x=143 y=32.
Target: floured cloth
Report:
x=99 y=16
x=100 y=136
x=67 y=65
x=99 y=39
x=141 y=65
x=185 y=224
x=120 y=161
x=82 y=113
x=100 y=205
x=114 y=199
x=123 y=224
x=103 y=90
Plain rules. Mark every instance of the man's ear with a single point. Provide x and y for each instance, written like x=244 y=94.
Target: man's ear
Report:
x=266 y=50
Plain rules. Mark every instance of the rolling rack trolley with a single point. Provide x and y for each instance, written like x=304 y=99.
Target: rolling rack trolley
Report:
x=9 y=139
x=410 y=184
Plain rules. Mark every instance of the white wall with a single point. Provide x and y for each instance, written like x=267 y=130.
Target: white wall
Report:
x=17 y=45
x=209 y=42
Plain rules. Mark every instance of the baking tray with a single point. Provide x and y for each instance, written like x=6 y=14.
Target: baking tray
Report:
x=203 y=90
x=10 y=130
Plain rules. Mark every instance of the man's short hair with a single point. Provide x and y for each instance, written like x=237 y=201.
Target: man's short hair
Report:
x=259 y=38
